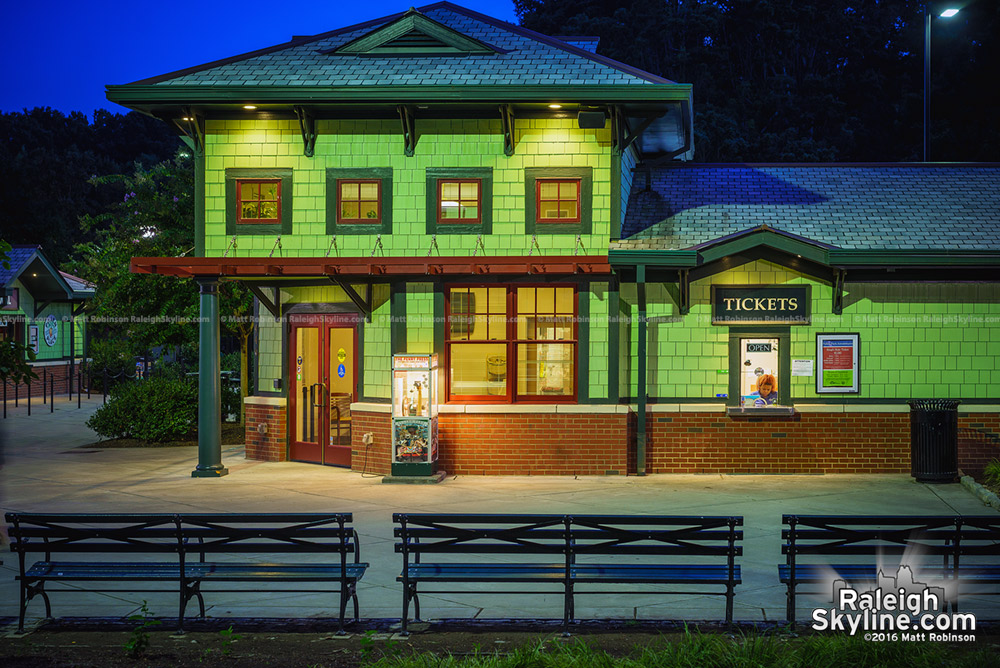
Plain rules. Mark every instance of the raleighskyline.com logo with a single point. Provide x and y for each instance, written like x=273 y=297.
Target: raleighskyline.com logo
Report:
x=896 y=608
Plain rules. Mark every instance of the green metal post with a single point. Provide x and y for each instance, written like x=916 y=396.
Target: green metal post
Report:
x=640 y=464
x=209 y=385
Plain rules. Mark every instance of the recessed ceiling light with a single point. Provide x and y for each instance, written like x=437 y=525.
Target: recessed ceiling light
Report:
x=250 y=107
x=555 y=106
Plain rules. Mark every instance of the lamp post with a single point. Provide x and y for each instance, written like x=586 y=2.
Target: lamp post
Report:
x=946 y=14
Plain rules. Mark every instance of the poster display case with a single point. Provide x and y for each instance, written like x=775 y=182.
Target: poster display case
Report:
x=414 y=415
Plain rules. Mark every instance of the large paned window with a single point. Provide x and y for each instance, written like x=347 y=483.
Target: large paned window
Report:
x=511 y=343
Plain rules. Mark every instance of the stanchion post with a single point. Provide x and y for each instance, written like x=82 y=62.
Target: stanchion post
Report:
x=52 y=396
x=29 y=398
x=104 y=386
x=44 y=383
x=79 y=387
x=5 y=400
x=17 y=393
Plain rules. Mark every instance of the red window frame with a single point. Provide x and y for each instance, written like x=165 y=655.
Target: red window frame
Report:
x=359 y=221
x=512 y=342
x=239 y=202
x=479 y=201
x=538 y=200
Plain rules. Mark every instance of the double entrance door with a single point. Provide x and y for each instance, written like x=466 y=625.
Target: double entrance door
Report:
x=323 y=373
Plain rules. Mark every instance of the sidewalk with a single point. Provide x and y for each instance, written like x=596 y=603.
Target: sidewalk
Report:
x=44 y=469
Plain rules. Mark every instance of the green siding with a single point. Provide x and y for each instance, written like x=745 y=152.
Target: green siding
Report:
x=376 y=347
x=269 y=334
x=598 y=327
x=62 y=312
x=917 y=340
x=378 y=143
x=420 y=318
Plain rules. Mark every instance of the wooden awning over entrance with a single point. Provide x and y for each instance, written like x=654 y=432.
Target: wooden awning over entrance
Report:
x=401 y=267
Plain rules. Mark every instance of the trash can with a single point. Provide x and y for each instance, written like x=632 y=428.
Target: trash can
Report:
x=934 y=440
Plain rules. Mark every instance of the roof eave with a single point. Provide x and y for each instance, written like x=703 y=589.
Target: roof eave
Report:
x=166 y=95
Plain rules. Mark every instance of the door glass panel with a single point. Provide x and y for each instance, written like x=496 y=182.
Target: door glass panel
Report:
x=307 y=383
x=341 y=384
x=759 y=372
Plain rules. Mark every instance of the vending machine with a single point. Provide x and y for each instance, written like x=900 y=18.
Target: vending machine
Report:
x=414 y=415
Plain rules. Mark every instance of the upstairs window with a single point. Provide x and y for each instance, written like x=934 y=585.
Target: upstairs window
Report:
x=557 y=200
x=359 y=201
x=259 y=201
x=460 y=200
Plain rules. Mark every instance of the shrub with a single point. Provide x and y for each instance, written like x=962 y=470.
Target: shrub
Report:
x=157 y=409
x=991 y=473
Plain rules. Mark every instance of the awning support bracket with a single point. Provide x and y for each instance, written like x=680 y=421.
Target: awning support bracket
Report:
x=507 y=121
x=364 y=305
x=838 y=291
x=193 y=127
x=269 y=302
x=307 y=123
x=684 y=291
x=409 y=130
x=41 y=306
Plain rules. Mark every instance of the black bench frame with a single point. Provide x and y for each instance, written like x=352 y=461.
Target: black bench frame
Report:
x=569 y=540
x=188 y=539
x=949 y=538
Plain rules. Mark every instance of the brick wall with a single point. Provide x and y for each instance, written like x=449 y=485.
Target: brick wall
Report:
x=803 y=443
x=271 y=446
x=376 y=458
x=55 y=377
x=978 y=441
x=533 y=444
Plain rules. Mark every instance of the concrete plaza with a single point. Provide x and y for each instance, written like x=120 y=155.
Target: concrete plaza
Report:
x=44 y=468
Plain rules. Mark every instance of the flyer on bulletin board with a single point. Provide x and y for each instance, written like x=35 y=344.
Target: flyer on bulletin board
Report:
x=837 y=356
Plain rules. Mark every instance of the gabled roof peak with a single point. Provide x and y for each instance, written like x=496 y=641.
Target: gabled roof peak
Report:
x=413 y=34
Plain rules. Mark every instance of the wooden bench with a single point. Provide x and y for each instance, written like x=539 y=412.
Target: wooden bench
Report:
x=189 y=550
x=819 y=549
x=559 y=553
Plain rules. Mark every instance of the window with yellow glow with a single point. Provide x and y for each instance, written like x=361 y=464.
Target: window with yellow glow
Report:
x=259 y=201
x=459 y=201
x=359 y=201
x=511 y=343
x=557 y=200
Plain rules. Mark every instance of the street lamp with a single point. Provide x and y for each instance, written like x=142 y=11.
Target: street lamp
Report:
x=946 y=14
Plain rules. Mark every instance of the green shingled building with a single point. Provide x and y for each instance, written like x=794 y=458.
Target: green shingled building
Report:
x=439 y=182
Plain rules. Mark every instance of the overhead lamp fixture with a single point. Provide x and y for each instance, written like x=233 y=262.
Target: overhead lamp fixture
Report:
x=555 y=106
x=249 y=107
x=187 y=118
x=948 y=13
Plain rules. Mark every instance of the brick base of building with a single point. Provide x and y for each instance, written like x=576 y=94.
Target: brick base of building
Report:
x=54 y=377
x=266 y=438
x=803 y=443
x=605 y=444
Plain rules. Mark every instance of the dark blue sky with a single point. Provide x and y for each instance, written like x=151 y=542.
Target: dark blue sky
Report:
x=62 y=53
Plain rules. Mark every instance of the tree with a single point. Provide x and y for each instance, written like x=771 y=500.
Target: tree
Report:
x=804 y=80
x=153 y=219
x=48 y=165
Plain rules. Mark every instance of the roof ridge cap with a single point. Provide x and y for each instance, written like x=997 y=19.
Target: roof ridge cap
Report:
x=549 y=40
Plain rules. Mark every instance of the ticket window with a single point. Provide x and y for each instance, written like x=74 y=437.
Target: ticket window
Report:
x=759 y=372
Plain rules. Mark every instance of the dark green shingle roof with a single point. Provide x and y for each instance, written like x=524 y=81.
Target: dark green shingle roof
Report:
x=854 y=207
x=524 y=58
